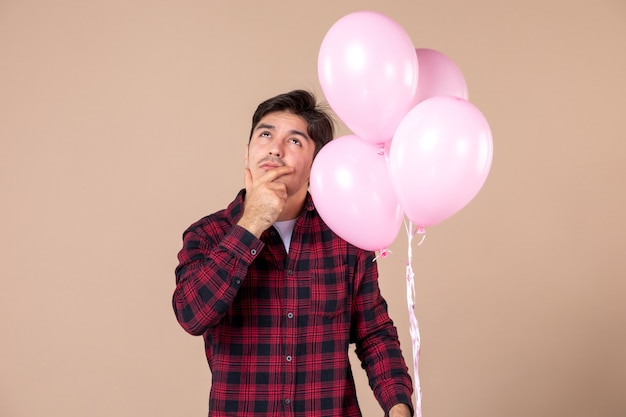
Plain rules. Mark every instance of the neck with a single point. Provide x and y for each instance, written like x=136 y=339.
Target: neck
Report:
x=293 y=206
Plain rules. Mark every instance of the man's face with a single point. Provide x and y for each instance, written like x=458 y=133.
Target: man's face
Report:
x=280 y=138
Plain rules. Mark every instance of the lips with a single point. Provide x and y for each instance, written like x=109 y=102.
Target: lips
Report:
x=270 y=163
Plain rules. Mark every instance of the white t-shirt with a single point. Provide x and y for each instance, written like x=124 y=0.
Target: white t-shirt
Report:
x=285 y=229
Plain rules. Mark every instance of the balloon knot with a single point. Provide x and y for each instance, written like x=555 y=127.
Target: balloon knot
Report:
x=383 y=253
x=420 y=230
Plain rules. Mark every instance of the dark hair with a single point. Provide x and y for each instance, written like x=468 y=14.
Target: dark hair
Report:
x=304 y=104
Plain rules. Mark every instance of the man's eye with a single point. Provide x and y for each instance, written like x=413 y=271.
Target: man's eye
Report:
x=265 y=134
x=295 y=141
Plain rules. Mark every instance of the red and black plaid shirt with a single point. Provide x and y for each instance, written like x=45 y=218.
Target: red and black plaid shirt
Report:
x=277 y=325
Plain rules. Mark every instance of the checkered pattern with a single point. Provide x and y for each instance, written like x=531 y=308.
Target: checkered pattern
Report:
x=277 y=326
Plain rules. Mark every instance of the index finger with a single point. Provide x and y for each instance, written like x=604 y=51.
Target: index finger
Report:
x=277 y=172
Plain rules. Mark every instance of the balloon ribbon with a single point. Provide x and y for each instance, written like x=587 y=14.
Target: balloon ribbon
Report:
x=413 y=323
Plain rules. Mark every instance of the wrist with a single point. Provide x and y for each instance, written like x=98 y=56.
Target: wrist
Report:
x=251 y=227
x=400 y=410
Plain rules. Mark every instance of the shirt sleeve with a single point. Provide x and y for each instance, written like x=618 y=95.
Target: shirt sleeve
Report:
x=211 y=269
x=376 y=339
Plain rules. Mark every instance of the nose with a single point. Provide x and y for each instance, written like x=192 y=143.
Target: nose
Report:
x=276 y=149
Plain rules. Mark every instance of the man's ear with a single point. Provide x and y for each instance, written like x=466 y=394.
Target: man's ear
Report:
x=245 y=157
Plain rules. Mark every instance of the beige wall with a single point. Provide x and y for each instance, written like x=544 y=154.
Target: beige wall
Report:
x=121 y=122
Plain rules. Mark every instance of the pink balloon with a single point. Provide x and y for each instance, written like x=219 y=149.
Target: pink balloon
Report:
x=439 y=76
x=439 y=158
x=352 y=191
x=367 y=69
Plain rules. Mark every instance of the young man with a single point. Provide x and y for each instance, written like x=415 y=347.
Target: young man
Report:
x=277 y=295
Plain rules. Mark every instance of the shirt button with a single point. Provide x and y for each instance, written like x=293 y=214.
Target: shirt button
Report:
x=253 y=251
x=237 y=281
x=290 y=272
x=289 y=315
x=287 y=401
x=288 y=358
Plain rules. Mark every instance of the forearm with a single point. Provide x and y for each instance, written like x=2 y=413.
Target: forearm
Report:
x=377 y=342
x=382 y=359
x=209 y=276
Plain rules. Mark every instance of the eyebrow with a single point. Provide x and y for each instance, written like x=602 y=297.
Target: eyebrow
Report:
x=272 y=127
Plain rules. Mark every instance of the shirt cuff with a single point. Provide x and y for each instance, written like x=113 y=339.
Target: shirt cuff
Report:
x=242 y=244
